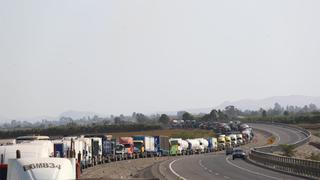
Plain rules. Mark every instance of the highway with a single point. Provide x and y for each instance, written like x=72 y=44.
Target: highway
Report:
x=220 y=166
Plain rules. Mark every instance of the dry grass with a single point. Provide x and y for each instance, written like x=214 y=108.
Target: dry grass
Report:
x=165 y=132
x=315 y=126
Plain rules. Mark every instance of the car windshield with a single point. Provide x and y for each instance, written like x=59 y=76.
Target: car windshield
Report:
x=238 y=150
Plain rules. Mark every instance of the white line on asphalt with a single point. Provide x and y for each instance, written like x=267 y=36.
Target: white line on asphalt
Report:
x=175 y=173
x=252 y=172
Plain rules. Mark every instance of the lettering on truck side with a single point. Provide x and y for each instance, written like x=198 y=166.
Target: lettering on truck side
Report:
x=41 y=165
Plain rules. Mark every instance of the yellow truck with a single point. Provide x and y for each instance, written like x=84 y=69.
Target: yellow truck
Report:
x=221 y=142
x=228 y=141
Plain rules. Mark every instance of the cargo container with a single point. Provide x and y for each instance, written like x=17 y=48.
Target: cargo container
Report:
x=162 y=145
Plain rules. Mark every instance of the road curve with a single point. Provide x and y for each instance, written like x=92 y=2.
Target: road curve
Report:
x=220 y=166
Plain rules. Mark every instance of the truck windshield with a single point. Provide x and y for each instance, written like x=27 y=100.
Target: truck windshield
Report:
x=174 y=142
x=221 y=141
x=119 y=148
x=138 y=145
x=239 y=138
x=127 y=145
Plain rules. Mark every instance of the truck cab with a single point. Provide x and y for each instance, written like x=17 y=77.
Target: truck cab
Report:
x=233 y=138
x=222 y=142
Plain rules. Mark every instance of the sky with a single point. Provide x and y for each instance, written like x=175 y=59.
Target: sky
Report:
x=115 y=56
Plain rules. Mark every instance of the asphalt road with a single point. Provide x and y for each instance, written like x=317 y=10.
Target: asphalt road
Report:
x=220 y=166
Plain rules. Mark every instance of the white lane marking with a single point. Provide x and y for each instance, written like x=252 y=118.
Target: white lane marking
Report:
x=226 y=177
x=252 y=172
x=217 y=174
x=175 y=173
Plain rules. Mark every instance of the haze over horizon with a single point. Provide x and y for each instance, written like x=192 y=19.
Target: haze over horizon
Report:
x=145 y=56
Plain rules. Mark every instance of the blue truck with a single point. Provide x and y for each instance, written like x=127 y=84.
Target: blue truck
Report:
x=162 y=145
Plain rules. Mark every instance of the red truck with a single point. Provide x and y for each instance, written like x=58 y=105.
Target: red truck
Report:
x=128 y=146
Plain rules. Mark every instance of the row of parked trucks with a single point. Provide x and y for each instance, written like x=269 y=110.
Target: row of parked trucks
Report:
x=36 y=157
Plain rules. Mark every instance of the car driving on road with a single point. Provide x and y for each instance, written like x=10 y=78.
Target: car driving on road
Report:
x=238 y=153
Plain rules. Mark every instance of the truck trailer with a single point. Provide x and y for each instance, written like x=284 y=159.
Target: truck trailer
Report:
x=162 y=145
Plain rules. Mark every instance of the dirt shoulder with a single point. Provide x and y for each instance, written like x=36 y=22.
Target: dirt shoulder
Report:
x=127 y=169
x=306 y=150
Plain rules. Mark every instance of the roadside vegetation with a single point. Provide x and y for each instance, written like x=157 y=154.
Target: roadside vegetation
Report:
x=287 y=149
x=73 y=129
x=314 y=156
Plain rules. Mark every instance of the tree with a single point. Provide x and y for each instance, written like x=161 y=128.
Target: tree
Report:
x=141 y=118
x=117 y=120
x=164 y=119
x=232 y=111
x=213 y=116
x=187 y=116
x=264 y=113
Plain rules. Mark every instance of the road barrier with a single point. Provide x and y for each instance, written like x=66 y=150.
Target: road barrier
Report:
x=264 y=156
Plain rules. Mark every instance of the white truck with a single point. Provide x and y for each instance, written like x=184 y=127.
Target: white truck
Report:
x=194 y=146
x=239 y=139
x=203 y=144
x=41 y=168
x=233 y=138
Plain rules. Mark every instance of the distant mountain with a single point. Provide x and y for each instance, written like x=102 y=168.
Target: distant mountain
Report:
x=251 y=104
x=79 y=114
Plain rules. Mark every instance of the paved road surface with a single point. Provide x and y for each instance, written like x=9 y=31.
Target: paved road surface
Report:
x=220 y=166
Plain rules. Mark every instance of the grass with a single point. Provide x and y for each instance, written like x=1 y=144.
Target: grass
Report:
x=183 y=133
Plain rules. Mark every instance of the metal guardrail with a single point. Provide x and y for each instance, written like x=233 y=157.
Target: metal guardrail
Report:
x=264 y=156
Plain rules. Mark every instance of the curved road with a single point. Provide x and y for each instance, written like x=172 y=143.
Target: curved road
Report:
x=219 y=166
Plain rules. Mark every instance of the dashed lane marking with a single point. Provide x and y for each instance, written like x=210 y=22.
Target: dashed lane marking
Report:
x=250 y=171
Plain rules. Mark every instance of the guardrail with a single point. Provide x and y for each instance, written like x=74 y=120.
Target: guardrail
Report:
x=264 y=156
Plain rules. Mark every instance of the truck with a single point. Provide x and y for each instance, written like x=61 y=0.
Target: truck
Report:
x=213 y=144
x=42 y=168
x=121 y=152
x=239 y=139
x=203 y=145
x=144 y=146
x=109 y=148
x=228 y=141
x=162 y=145
x=7 y=152
x=193 y=146
x=247 y=135
x=128 y=145
x=178 y=146
x=222 y=142
x=233 y=138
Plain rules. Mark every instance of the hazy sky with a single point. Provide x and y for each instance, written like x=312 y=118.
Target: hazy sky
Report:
x=118 y=56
